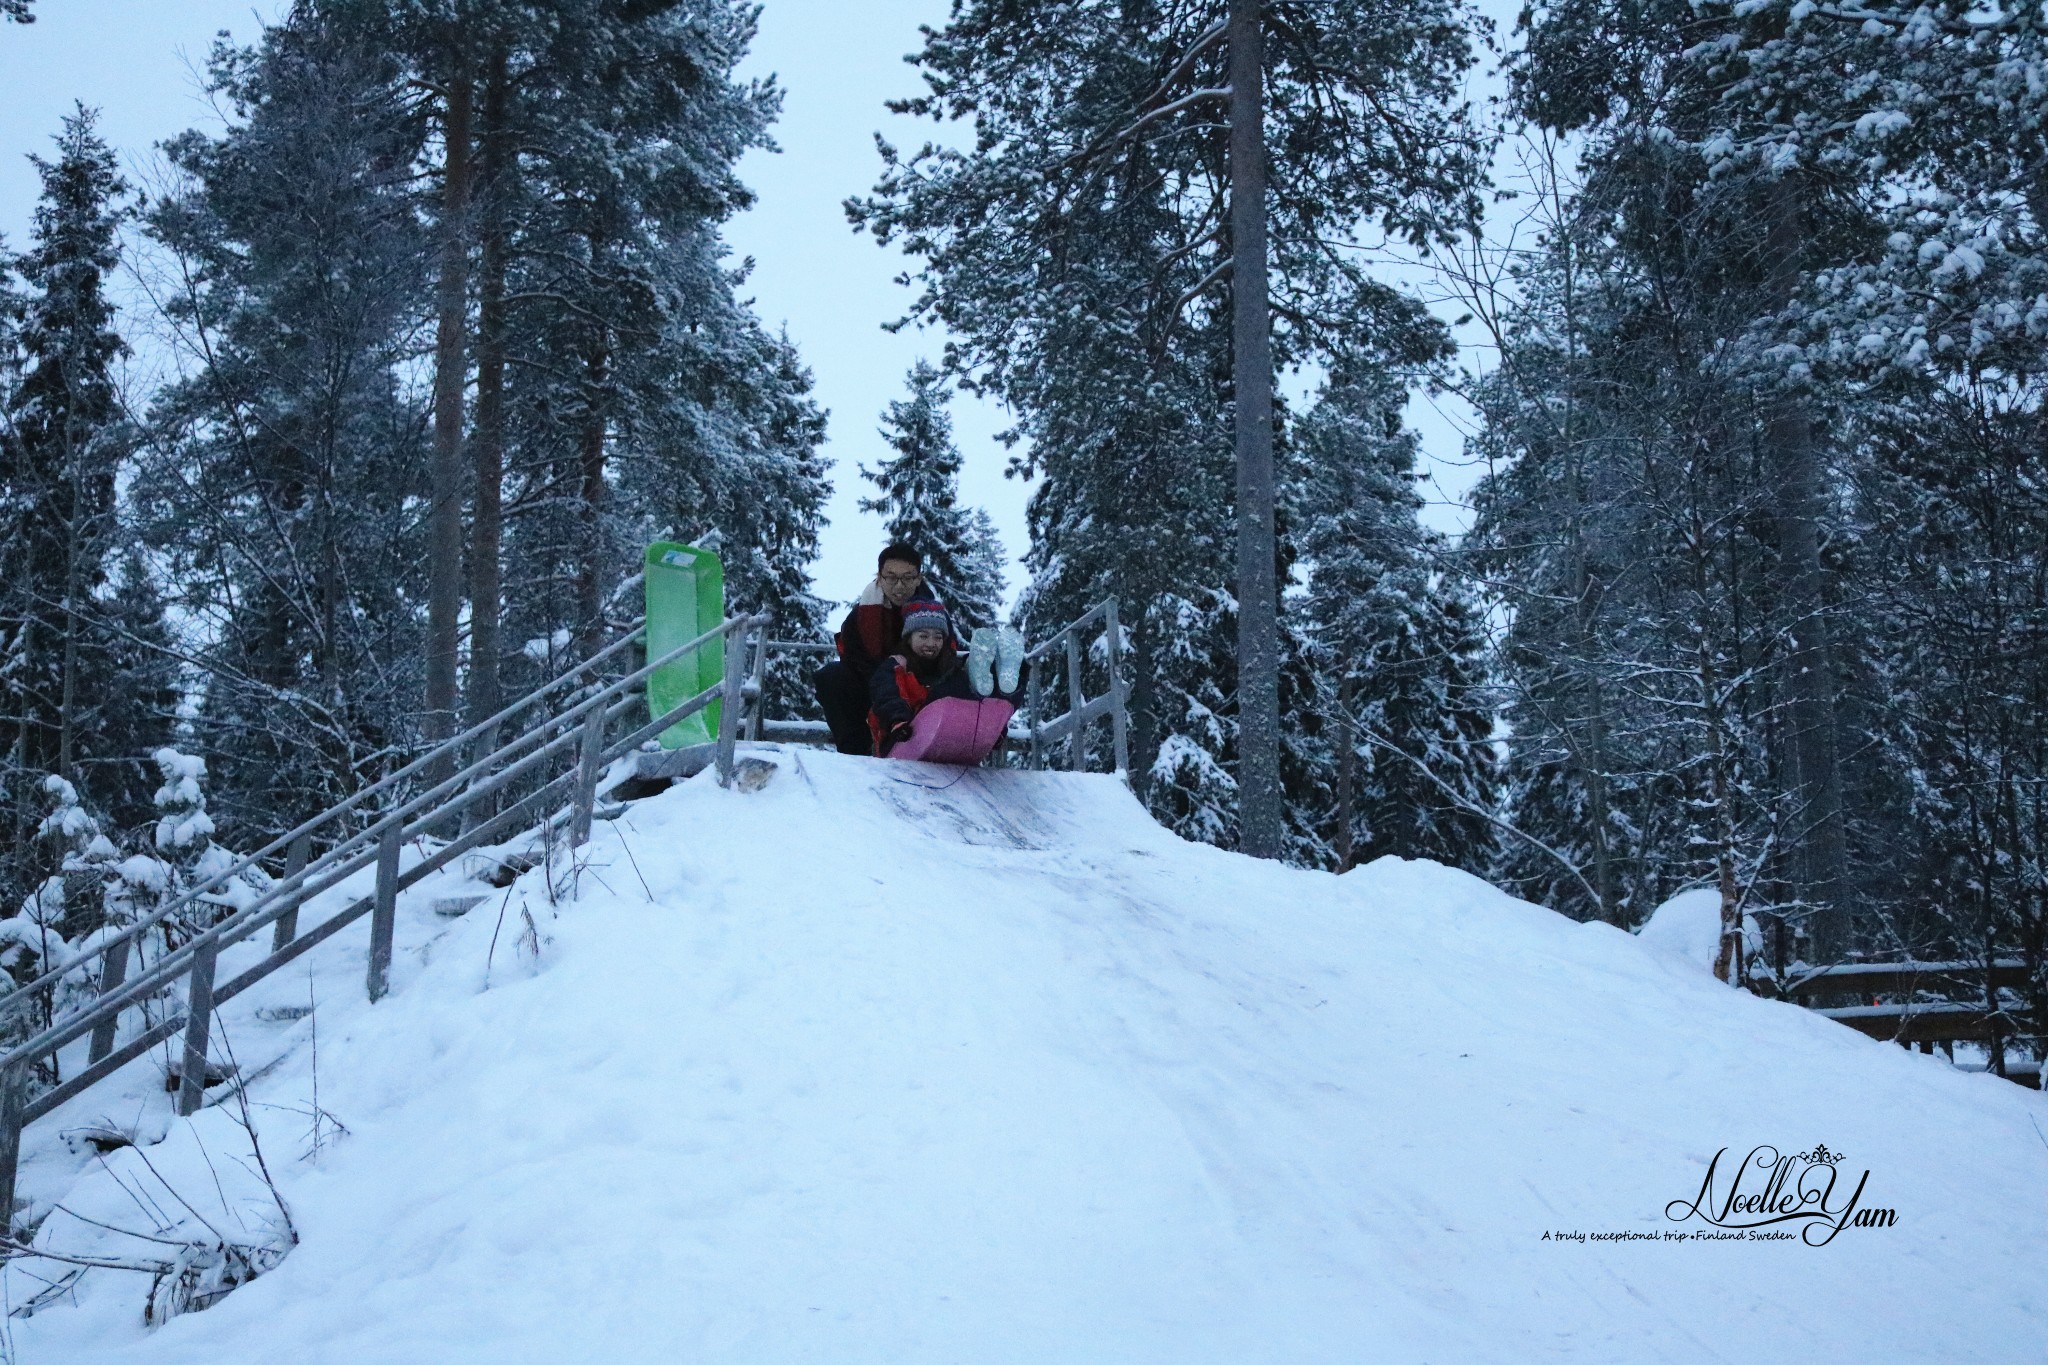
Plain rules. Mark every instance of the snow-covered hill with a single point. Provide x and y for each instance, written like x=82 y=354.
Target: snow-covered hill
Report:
x=884 y=1063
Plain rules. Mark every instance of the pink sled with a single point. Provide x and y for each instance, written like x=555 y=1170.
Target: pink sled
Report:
x=955 y=730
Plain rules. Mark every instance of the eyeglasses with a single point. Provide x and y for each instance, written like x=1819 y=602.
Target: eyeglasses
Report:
x=901 y=578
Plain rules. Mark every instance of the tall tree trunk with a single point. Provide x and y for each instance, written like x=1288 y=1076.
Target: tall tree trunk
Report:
x=1143 y=707
x=1590 y=757
x=444 y=518
x=590 y=462
x=67 y=706
x=1258 y=601
x=1821 y=846
x=1590 y=753
x=487 y=439
x=1728 y=957
x=1347 y=772
x=1599 y=805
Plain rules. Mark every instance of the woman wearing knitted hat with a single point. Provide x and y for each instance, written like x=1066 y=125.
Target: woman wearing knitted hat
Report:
x=927 y=669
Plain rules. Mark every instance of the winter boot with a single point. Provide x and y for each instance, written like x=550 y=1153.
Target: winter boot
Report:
x=982 y=650
x=1009 y=657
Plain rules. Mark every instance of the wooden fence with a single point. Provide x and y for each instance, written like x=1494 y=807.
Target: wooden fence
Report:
x=1932 y=1003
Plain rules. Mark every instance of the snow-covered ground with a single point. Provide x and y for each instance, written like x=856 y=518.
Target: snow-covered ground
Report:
x=885 y=1063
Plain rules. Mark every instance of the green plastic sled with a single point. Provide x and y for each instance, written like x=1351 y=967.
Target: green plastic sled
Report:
x=685 y=598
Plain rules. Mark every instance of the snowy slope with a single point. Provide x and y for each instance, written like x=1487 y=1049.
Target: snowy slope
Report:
x=873 y=1064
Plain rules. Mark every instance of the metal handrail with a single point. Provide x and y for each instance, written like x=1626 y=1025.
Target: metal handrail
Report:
x=1106 y=607
x=1072 y=725
x=580 y=725
x=283 y=841
x=235 y=927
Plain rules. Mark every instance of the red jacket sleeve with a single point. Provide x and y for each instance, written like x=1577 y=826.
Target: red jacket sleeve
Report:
x=866 y=637
x=895 y=693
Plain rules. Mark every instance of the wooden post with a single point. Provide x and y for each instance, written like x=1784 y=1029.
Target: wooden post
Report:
x=287 y=926
x=13 y=1099
x=1035 y=698
x=1077 y=738
x=1118 y=722
x=384 y=913
x=730 y=700
x=586 y=776
x=113 y=971
x=198 y=1021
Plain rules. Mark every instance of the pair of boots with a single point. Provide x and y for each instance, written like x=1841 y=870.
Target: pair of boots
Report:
x=995 y=660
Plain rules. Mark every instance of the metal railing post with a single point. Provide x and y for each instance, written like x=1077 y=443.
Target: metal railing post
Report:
x=1035 y=697
x=1119 y=723
x=13 y=1099
x=759 y=672
x=198 y=1022
x=730 y=698
x=384 y=915
x=586 y=777
x=113 y=971
x=287 y=926
x=1077 y=738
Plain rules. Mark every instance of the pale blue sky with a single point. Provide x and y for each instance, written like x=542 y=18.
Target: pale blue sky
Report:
x=838 y=62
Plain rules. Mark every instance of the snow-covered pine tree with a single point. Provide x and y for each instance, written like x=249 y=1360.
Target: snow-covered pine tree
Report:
x=1692 y=148
x=1940 y=336
x=283 y=487
x=1079 y=255
x=64 y=646
x=764 y=493
x=87 y=859
x=55 y=921
x=920 y=491
x=1402 y=671
x=1618 y=534
x=624 y=390
x=184 y=843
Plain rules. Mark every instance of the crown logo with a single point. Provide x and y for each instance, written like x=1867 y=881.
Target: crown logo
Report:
x=1819 y=1156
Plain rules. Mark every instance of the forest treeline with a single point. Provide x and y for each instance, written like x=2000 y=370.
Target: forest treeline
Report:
x=454 y=336
x=1757 y=583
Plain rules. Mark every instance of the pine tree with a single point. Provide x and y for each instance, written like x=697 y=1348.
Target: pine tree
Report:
x=762 y=496
x=583 y=159
x=73 y=682
x=623 y=390
x=1693 y=152
x=1619 y=536
x=920 y=487
x=1400 y=645
x=284 y=485
x=1080 y=255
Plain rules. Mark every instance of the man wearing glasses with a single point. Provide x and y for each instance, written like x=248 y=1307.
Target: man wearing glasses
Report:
x=868 y=635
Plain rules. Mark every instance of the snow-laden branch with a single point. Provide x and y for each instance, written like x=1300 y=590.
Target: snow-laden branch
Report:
x=1471 y=807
